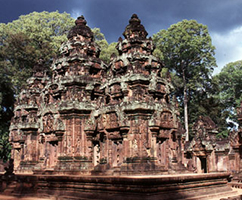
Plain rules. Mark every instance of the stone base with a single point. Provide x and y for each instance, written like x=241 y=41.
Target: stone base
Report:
x=138 y=167
x=70 y=167
x=162 y=187
x=27 y=166
x=148 y=168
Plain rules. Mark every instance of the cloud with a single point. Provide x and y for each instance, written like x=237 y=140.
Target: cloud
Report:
x=228 y=47
x=223 y=17
x=75 y=13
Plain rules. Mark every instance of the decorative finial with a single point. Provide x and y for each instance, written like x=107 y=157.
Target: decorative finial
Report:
x=81 y=29
x=81 y=21
x=135 y=29
x=134 y=19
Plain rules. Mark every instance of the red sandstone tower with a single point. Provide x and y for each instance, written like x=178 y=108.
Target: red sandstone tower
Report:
x=136 y=126
x=91 y=118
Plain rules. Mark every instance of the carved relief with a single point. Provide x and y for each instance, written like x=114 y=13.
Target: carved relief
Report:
x=160 y=88
x=48 y=122
x=110 y=121
x=116 y=90
x=167 y=120
x=119 y=67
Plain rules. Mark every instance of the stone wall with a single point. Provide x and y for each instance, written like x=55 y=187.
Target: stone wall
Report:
x=170 y=187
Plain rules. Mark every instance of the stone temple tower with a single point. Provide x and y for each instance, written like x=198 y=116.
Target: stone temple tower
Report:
x=93 y=118
x=135 y=129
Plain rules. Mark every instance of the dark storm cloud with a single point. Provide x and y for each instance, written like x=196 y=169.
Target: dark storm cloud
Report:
x=112 y=15
x=219 y=15
x=222 y=17
x=11 y=9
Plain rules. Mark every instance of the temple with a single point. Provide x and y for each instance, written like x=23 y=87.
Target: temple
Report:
x=118 y=119
x=90 y=117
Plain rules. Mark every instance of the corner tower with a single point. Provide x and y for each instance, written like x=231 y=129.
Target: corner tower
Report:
x=47 y=131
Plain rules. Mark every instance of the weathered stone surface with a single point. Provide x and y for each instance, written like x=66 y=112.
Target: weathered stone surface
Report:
x=235 y=154
x=1 y=166
x=91 y=118
x=169 y=187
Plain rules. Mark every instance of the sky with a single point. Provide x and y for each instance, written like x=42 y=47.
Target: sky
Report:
x=223 y=18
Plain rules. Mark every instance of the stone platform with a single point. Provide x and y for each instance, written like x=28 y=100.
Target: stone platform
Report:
x=164 y=187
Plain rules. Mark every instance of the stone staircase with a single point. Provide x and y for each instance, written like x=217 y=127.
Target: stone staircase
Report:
x=9 y=190
x=237 y=181
x=233 y=195
x=236 y=185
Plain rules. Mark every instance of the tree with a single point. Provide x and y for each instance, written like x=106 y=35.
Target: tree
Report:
x=106 y=49
x=186 y=49
x=229 y=82
x=207 y=103
x=6 y=113
x=5 y=146
x=30 y=38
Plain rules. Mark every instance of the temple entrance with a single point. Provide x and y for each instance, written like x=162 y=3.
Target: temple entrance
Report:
x=203 y=161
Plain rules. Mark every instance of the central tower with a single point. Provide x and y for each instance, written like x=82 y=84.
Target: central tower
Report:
x=135 y=129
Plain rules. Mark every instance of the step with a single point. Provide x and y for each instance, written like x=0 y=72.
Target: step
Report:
x=216 y=196
x=10 y=188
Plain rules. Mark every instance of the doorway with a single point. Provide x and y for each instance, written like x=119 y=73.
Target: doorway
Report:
x=203 y=164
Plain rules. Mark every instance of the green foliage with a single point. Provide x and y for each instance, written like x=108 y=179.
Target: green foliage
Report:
x=30 y=38
x=5 y=147
x=106 y=49
x=229 y=82
x=51 y=27
x=207 y=104
x=187 y=51
x=6 y=99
